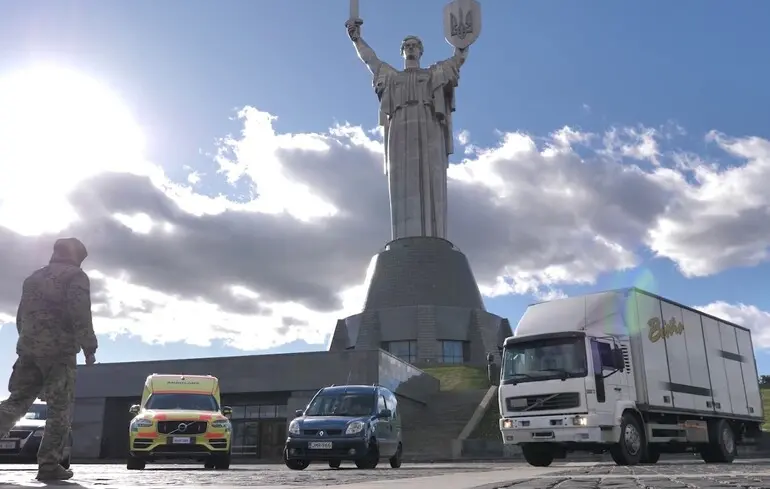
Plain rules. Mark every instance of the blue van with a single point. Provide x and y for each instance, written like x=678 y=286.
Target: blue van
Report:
x=360 y=423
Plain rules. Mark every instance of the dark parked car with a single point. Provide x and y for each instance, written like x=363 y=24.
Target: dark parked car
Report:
x=360 y=423
x=21 y=444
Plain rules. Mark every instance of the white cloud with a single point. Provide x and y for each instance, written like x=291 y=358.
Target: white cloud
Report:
x=171 y=263
x=757 y=320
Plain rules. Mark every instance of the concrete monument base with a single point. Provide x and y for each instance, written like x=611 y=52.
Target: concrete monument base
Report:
x=423 y=303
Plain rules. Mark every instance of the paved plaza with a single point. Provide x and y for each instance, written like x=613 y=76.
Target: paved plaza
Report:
x=577 y=475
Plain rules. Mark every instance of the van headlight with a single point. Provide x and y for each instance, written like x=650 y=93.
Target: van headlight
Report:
x=355 y=427
x=294 y=427
x=221 y=424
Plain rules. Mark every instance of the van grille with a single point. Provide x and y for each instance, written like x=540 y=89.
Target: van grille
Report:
x=543 y=402
x=326 y=432
x=193 y=427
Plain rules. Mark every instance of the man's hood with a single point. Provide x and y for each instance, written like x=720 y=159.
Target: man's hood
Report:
x=69 y=250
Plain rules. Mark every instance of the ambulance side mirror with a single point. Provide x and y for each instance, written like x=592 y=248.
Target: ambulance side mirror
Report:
x=134 y=409
x=227 y=411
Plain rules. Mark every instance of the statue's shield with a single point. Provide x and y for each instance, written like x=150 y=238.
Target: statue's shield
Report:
x=462 y=22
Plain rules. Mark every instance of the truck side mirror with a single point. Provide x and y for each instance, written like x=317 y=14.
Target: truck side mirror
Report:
x=134 y=409
x=618 y=359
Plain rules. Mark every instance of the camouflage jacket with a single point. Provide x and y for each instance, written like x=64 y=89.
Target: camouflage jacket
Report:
x=54 y=317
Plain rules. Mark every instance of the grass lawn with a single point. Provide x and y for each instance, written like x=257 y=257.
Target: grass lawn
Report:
x=459 y=377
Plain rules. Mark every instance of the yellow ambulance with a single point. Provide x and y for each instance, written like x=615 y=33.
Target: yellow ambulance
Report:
x=180 y=417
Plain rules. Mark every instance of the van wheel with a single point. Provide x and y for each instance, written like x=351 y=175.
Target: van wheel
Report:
x=537 y=454
x=297 y=464
x=629 y=450
x=208 y=465
x=395 y=460
x=372 y=457
x=134 y=463
x=66 y=463
x=335 y=464
x=722 y=447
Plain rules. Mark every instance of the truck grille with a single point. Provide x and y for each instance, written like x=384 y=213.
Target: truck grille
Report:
x=543 y=402
x=192 y=427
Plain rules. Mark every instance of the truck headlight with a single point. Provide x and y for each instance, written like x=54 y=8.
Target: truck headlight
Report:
x=507 y=424
x=294 y=427
x=39 y=433
x=579 y=421
x=355 y=427
x=220 y=424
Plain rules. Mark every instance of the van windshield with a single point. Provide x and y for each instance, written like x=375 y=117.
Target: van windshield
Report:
x=37 y=411
x=546 y=358
x=341 y=405
x=183 y=401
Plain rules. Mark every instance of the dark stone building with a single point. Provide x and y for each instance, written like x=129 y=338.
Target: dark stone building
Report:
x=263 y=390
x=423 y=305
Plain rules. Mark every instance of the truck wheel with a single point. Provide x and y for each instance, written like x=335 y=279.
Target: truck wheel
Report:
x=335 y=464
x=134 y=463
x=537 y=455
x=629 y=450
x=651 y=457
x=722 y=447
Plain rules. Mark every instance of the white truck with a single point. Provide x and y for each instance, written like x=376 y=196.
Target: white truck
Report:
x=631 y=373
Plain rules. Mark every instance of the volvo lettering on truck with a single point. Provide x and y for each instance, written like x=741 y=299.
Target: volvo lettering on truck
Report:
x=629 y=373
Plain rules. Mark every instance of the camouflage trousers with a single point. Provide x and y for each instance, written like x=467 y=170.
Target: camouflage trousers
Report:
x=56 y=378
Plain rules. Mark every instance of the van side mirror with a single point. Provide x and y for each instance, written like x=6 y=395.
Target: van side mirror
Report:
x=227 y=411
x=618 y=359
x=298 y=413
x=134 y=409
x=384 y=414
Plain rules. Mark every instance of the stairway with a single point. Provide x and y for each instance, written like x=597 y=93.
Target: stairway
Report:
x=428 y=431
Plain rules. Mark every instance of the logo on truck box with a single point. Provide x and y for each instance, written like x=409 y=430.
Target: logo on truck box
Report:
x=664 y=330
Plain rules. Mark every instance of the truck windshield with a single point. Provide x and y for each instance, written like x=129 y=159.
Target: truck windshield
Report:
x=543 y=359
x=186 y=402
x=341 y=405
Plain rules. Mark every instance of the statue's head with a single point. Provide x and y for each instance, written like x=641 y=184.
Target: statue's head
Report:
x=411 y=48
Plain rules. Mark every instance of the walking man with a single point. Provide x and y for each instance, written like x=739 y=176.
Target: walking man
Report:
x=54 y=324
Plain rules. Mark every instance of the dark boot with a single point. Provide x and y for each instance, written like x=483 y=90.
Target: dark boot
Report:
x=55 y=473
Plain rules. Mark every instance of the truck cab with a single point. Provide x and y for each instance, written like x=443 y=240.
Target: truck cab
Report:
x=629 y=373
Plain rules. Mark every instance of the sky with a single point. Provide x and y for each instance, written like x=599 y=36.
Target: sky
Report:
x=223 y=165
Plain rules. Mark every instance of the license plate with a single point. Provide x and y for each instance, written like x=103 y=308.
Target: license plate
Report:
x=320 y=445
x=7 y=445
x=181 y=440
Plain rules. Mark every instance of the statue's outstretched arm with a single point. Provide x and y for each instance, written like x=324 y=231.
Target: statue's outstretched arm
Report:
x=460 y=56
x=367 y=55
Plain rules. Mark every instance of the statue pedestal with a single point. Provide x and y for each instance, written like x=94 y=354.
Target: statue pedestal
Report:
x=423 y=305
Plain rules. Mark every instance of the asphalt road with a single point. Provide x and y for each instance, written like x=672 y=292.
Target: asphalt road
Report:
x=515 y=475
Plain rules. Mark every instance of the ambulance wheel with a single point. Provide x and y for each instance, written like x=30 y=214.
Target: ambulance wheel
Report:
x=134 y=463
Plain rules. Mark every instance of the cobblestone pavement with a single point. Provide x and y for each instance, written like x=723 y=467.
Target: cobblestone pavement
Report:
x=672 y=475
x=99 y=475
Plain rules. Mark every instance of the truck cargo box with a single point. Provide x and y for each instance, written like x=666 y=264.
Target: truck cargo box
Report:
x=682 y=360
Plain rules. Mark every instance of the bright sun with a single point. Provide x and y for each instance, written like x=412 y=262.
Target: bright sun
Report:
x=57 y=127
